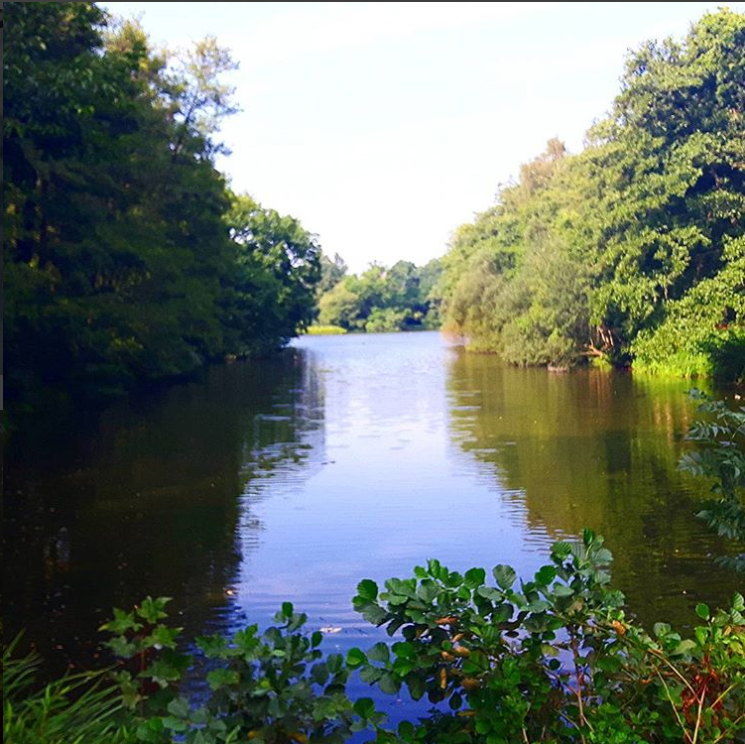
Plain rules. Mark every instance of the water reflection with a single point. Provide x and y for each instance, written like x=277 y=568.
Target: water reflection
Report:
x=346 y=457
x=597 y=450
x=149 y=499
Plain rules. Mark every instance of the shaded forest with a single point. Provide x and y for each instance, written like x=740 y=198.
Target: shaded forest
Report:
x=127 y=256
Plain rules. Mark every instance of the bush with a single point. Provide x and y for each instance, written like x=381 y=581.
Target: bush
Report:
x=720 y=458
x=552 y=660
x=325 y=330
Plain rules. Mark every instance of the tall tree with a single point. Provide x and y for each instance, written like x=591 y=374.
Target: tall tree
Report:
x=607 y=253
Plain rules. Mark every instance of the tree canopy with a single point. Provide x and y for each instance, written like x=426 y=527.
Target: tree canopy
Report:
x=126 y=256
x=402 y=297
x=632 y=251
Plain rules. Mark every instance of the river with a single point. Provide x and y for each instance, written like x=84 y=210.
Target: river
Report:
x=345 y=457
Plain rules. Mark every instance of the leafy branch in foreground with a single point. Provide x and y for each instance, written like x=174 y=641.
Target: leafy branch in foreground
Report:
x=274 y=687
x=721 y=458
x=554 y=659
x=550 y=660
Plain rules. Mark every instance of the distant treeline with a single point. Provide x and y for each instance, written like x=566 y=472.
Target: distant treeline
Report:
x=632 y=251
x=400 y=298
x=126 y=256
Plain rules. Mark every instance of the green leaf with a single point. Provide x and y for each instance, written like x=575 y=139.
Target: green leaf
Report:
x=372 y=613
x=545 y=575
x=474 y=577
x=212 y=646
x=428 y=591
x=702 y=611
x=370 y=674
x=334 y=662
x=404 y=649
x=319 y=673
x=417 y=686
x=121 y=647
x=152 y=610
x=364 y=707
x=163 y=637
x=389 y=684
x=561 y=550
x=218 y=678
x=661 y=629
x=367 y=590
x=504 y=575
x=379 y=652
x=562 y=590
x=179 y=707
x=356 y=658
x=122 y=622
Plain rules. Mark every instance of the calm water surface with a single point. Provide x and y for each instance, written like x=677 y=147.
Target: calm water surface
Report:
x=347 y=457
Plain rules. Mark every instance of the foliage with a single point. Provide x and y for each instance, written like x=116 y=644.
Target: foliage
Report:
x=552 y=659
x=120 y=263
x=721 y=458
x=332 y=272
x=76 y=709
x=273 y=687
x=327 y=330
x=382 y=299
x=683 y=342
x=632 y=250
x=278 y=267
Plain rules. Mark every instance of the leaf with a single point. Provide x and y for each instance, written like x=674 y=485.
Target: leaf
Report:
x=428 y=591
x=474 y=577
x=370 y=674
x=562 y=590
x=504 y=575
x=179 y=707
x=153 y=610
x=319 y=673
x=372 y=613
x=356 y=658
x=545 y=575
x=121 y=647
x=122 y=622
x=702 y=611
x=417 y=686
x=163 y=637
x=389 y=684
x=218 y=678
x=212 y=646
x=379 y=652
x=367 y=590
x=404 y=650
x=364 y=707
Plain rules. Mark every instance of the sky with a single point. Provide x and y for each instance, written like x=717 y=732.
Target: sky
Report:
x=384 y=126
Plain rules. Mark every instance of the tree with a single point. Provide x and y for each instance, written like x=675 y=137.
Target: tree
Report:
x=278 y=268
x=119 y=263
x=332 y=272
x=645 y=223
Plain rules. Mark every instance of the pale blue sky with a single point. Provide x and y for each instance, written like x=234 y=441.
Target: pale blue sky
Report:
x=383 y=126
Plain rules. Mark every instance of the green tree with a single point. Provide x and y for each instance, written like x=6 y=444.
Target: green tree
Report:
x=631 y=250
x=333 y=270
x=278 y=266
x=120 y=265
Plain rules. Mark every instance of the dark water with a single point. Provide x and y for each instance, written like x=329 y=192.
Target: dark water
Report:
x=347 y=457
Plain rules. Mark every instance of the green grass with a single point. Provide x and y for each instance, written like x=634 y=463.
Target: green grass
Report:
x=325 y=330
x=76 y=709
